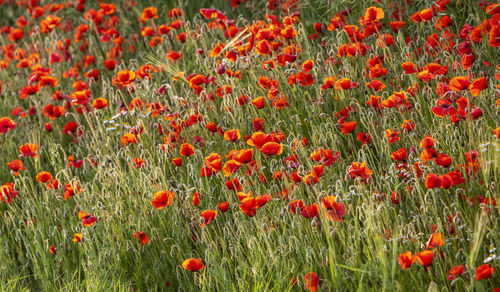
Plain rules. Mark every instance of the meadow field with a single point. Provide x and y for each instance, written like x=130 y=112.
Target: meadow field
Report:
x=249 y=145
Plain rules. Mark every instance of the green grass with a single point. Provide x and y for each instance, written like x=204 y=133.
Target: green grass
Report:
x=271 y=250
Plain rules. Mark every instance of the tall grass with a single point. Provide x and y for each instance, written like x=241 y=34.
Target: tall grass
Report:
x=273 y=250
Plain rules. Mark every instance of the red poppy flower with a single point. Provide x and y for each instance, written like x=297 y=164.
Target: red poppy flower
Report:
x=456 y=271
x=435 y=240
x=223 y=207
x=87 y=220
x=16 y=165
x=484 y=272
x=348 y=127
x=193 y=265
x=232 y=135
x=28 y=149
x=186 y=150
x=477 y=86
x=208 y=216
x=77 y=237
x=124 y=78
x=141 y=235
x=312 y=281
x=162 y=199
x=272 y=148
x=406 y=260
x=100 y=103
x=425 y=258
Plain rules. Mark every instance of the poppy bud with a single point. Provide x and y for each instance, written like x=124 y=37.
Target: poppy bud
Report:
x=48 y=127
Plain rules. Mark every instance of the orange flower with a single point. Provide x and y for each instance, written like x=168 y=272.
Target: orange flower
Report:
x=477 y=86
x=215 y=52
x=443 y=160
x=406 y=260
x=348 y=127
x=307 y=65
x=124 y=78
x=193 y=265
x=325 y=157
x=208 y=216
x=28 y=149
x=174 y=56
x=177 y=161
x=230 y=167
x=186 y=150
x=6 y=124
x=52 y=112
x=310 y=211
x=43 y=177
x=196 y=198
x=16 y=165
x=71 y=189
x=408 y=125
x=100 y=103
x=345 y=83
x=49 y=23
x=232 y=135
x=223 y=207
x=425 y=258
x=312 y=281
x=248 y=204
x=77 y=237
x=456 y=271
x=409 y=68
x=148 y=13
x=212 y=13
x=392 y=136
x=432 y=181
x=496 y=132
x=7 y=192
x=87 y=220
x=258 y=102
x=335 y=210
x=427 y=142
x=162 y=199
x=214 y=161
x=459 y=83
x=484 y=272
x=399 y=155
x=141 y=235
x=139 y=162
x=272 y=148
x=435 y=240
x=128 y=138
x=359 y=170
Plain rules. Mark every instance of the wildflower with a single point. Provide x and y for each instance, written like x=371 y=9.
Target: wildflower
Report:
x=124 y=78
x=208 y=216
x=484 y=272
x=456 y=271
x=28 y=149
x=77 y=237
x=87 y=220
x=425 y=258
x=16 y=165
x=312 y=281
x=7 y=192
x=141 y=235
x=186 y=150
x=100 y=103
x=6 y=124
x=435 y=240
x=193 y=264
x=162 y=199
